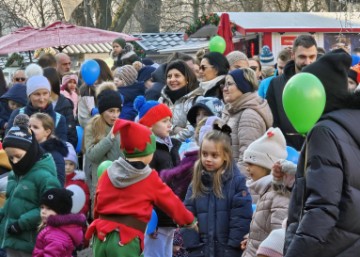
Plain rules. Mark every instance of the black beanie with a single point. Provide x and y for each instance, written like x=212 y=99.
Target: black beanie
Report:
x=19 y=135
x=120 y=41
x=108 y=99
x=58 y=200
x=332 y=70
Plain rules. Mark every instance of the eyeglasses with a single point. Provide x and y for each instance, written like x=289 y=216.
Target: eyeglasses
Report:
x=203 y=67
x=254 y=68
x=227 y=85
x=20 y=79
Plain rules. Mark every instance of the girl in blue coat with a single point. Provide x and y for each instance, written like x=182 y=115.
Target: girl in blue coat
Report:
x=219 y=198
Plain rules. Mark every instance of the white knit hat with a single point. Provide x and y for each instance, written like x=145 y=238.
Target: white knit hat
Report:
x=37 y=82
x=273 y=245
x=267 y=149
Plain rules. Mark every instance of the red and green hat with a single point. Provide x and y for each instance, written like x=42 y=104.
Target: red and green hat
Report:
x=136 y=140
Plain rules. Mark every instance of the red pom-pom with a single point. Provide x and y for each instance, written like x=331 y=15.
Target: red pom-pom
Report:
x=270 y=134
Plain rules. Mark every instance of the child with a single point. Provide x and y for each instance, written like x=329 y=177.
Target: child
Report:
x=273 y=201
x=43 y=127
x=69 y=89
x=218 y=196
x=76 y=177
x=120 y=217
x=33 y=173
x=60 y=231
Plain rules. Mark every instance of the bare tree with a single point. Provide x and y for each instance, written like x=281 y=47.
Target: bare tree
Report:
x=148 y=15
x=122 y=14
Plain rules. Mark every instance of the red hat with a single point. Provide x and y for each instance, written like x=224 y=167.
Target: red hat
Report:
x=136 y=140
x=151 y=111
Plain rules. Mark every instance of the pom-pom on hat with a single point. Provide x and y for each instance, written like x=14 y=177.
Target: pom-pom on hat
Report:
x=58 y=200
x=266 y=56
x=37 y=82
x=120 y=41
x=127 y=73
x=267 y=149
x=19 y=135
x=136 y=140
x=212 y=105
x=108 y=99
x=151 y=111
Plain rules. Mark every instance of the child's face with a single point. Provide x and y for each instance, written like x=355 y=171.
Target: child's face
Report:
x=256 y=172
x=110 y=115
x=72 y=85
x=117 y=49
x=13 y=105
x=41 y=133
x=201 y=114
x=14 y=154
x=162 y=128
x=118 y=82
x=69 y=167
x=45 y=213
x=212 y=158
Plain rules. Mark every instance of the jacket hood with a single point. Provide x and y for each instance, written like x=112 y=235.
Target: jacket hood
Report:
x=16 y=93
x=252 y=101
x=46 y=163
x=72 y=224
x=159 y=74
x=131 y=92
x=54 y=144
x=289 y=70
x=123 y=174
x=261 y=185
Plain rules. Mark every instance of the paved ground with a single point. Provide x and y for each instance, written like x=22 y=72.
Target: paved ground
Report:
x=85 y=253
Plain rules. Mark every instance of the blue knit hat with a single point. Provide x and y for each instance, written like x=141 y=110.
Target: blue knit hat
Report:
x=151 y=111
x=241 y=83
x=144 y=73
x=266 y=56
x=212 y=105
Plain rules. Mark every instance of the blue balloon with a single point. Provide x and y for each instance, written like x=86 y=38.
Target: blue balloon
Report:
x=80 y=132
x=293 y=155
x=151 y=226
x=90 y=71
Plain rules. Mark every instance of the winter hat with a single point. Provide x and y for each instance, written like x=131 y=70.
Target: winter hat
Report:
x=71 y=155
x=68 y=77
x=58 y=200
x=127 y=73
x=332 y=70
x=235 y=56
x=212 y=105
x=145 y=73
x=273 y=245
x=147 y=61
x=19 y=135
x=267 y=149
x=208 y=126
x=108 y=99
x=136 y=140
x=37 y=82
x=151 y=111
x=16 y=93
x=266 y=56
x=33 y=70
x=241 y=83
x=120 y=41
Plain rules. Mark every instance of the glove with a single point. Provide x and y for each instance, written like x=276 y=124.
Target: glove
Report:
x=14 y=229
x=94 y=111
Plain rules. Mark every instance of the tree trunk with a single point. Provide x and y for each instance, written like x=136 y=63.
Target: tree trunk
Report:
x=102 y=13
x=196 y=6
x=151 y=16
x=123 y=14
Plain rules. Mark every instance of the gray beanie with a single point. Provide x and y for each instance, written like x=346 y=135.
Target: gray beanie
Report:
x=235 y=56
x=37 y=82
x=127 y=73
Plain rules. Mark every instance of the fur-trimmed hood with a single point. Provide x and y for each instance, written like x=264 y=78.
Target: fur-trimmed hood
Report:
x=55 y=144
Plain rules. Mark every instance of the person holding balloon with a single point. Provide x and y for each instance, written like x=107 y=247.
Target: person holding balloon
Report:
x=324 y=209
x=100 y=142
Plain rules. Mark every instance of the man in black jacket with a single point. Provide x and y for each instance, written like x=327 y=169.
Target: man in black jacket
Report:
x=304 y=53
x=324 y=209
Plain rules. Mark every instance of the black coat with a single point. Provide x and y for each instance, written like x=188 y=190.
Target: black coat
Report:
x=274 y=98
x=330 y=225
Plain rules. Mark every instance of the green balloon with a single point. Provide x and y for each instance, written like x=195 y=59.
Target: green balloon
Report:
x=102 y=167
x=217 y=44
x=304 y=101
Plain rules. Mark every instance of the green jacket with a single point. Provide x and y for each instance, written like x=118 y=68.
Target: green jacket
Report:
x=23 y=203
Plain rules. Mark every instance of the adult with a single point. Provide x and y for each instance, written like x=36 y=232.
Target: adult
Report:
x=245 y=112
x=255 y=65
x=47 y=60
x=19 y=76
x=38 y=91
x=61 y=104
x=213 y=68
x=324 y=206
x=180 y=94
x=237 y=60
x=304 y=53
x=63 y=63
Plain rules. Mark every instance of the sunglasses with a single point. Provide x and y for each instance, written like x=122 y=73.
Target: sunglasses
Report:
x=20 y=79
x=203 y=67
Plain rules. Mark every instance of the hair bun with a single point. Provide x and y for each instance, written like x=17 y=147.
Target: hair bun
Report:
x=139 y=102
x=21 y=120
x=224 y=129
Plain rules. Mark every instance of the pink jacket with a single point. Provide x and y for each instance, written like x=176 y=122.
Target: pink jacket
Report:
x=61 y=235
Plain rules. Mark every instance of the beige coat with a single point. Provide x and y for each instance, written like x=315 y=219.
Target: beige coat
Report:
x=249 y=117
x=271 y=210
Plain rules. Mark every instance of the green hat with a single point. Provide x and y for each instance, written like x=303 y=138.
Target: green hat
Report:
x=120 y=41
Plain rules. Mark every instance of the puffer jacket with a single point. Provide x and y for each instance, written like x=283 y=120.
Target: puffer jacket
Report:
x=324 y=210
x=248 y=117
x=180 y=109
x=271 y=210
x=60 y=236
x=223 y=222
x=22 y=204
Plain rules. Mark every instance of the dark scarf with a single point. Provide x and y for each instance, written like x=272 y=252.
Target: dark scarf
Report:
x=33 y=154
x=175 y=95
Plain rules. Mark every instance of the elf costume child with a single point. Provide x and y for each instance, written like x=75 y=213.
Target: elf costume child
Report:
x=126 y=193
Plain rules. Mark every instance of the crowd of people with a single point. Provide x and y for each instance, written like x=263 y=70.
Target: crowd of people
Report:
x=199 y=142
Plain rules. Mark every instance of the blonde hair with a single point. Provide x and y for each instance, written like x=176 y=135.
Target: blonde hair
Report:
x=46 y=121
x=201 y=123
x=223 y=141
x=250 y=76
x=98 y=127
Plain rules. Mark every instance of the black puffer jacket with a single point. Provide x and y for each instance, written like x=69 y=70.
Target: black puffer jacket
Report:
x=274 y=98
x=330 y=225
